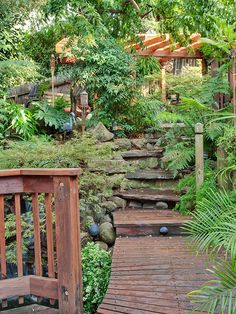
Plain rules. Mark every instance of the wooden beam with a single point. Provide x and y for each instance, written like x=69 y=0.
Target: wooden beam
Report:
x=10 y=288
x=163 y=82
x=38 y=184
x=204 y=67
x=175 y=54
x=41 y=172
x=44 y=287
x=147 y=42
x=148 y=51
x=11 y=185
x=68 y=245
x=39 y=286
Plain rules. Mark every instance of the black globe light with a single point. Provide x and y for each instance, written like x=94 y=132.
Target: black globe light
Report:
x=93 y=230
x=164 y=231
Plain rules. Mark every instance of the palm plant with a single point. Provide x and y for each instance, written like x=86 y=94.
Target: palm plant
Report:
x=213 y=228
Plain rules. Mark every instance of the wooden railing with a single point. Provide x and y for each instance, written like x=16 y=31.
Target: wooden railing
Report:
x=55 y=193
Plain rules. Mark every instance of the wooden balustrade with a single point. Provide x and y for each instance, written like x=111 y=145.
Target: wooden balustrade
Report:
x=51 y=192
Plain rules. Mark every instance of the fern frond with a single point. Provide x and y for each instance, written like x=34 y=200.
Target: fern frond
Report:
x=190 y=103
x=179 y=156
x=167 y=116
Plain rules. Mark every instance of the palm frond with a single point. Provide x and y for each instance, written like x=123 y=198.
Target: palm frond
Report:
x=218 y=295
x=214 y=223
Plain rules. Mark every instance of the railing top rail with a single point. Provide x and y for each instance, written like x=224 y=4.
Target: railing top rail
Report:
x=41 y=172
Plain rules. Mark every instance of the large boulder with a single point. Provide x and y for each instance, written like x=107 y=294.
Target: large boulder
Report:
x=109 y=206
x=102 y=134
x=123 y=143
x=98 y=214
x=120 y=202
x=87 y=221
x=138 y=143
x=102 y=245
x=107 y=233
x=162 y=205
x=85 y=238
x=106 y=218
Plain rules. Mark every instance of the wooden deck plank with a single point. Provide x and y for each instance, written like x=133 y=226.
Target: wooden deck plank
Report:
x=153 y=275
x=35 y=308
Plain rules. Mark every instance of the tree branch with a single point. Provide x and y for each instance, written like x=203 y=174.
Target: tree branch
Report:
x=135 y=5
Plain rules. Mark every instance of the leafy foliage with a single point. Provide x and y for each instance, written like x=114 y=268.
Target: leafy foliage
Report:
x=109 y=77
x=96 y=268
x=218 y=294
x=44 y=153
x=213 y=228
x=16 y=121
x=13 y=15
x=191 y=197
x=27 y=232
x=40 y=45
x=179 y=156
x=14 y=73
x=50 y=116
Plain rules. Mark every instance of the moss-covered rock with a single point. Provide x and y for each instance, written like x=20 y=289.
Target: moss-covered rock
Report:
x=107 y=233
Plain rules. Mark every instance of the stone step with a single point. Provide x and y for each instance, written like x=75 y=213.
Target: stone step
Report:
x=143 y=153
x=112 y=166
x=171 y=125
x=148 y=195
x=152 y=174
x=148 y=222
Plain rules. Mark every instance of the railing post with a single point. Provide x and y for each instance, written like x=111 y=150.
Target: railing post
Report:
x=199 y=160
x=68 y=245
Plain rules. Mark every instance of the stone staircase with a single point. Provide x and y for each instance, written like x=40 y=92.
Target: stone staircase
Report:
x=152 y=195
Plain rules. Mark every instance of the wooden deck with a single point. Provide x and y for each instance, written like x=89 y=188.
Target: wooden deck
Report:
x=35 y=308
x=153 y=275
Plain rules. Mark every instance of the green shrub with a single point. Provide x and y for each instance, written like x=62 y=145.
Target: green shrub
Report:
x=96 y=268
x=202 y=88
x=13 y=73
x=16 y=121
x=48 y=115
x=40 y=45
x=45 y=153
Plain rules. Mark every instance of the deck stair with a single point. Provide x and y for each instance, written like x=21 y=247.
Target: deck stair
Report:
x=148 y=222
x=152 y=270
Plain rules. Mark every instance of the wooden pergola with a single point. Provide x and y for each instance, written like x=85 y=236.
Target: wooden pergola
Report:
x=162 y=47
x=165 y=49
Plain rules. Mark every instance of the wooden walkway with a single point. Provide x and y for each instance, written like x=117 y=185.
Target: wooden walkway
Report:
x=153 y=275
